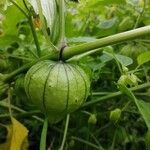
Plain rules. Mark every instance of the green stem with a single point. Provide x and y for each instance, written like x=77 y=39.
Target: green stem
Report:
x=43 y=135
x=110 y=40
x=5 y=104
x=61 y=39
x=31 y=25
x=16 y=72
x=110 y=96
x=35 y=37
x=87 y=143
x=82 y=48
x=140 y=15
x=23 y=114
x=54 y=55
x=65 y=132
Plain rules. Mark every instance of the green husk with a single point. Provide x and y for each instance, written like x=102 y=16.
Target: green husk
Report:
x=56 y=88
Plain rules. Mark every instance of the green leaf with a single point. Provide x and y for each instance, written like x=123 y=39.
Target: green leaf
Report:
x=108 y=2
x=7 y=40
x=106 y=27
x=107 y=23
x=124 y=60
x=13 y=16
x=143 y=106
x=143 y=58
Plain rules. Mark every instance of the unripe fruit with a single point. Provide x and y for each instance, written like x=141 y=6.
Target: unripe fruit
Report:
x=56 y=88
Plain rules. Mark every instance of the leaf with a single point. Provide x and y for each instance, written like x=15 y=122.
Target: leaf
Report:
x=143 y=58
x=143 y=106
x=16 y=137
x=107 y=2
x=10 y=22
x=124 y=60
x=48 y=9
x=106 y=27
x=107 y=23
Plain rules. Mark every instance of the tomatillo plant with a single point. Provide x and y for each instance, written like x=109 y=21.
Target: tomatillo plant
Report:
x=55 y=65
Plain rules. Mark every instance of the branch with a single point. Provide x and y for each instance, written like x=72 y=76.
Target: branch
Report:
x=115 y=94
x=87 y=47
x=110 y=40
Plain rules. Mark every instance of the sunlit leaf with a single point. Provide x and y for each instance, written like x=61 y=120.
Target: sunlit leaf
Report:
x=48 y=8
x=10 y=23
x=143 y=58
x=16 y=137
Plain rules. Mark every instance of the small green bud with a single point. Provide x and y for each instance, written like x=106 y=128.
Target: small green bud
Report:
x=71 y=143
x=123 y=80
x=115 y=115
x=92 y=119
x=134 y=79
x=125 y=69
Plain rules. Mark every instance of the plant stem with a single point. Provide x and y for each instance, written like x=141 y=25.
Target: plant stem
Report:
x=43 y=135
x=82 y=48
x=54 y=55
x=16 y=72
x=110 y=40
x=23 y=114
x=87 y=143
x=61 y=39
x=3 y=103
x=65 y=132
x=29 y=17
x=35 y=37
x=140 y=15
x=109 y=96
